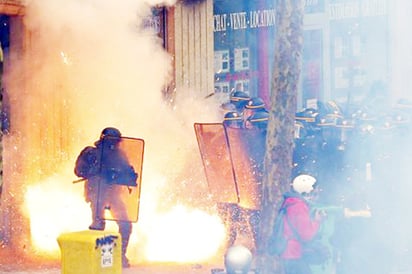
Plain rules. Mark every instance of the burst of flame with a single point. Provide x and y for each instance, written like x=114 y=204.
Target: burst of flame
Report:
x=178 y=234
x=52 y=210
x=184 y=234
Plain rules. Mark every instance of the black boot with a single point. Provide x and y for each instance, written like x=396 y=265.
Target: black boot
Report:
x=97 y=224
x=125 y=229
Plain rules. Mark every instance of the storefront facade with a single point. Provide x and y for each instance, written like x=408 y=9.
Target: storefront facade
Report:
x=342 y=54
x=243 y=45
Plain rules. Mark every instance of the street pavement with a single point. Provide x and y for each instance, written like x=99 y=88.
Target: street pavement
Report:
x=146 y=269
x=149 y=269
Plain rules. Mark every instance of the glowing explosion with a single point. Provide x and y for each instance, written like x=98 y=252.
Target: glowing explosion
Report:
x=93 y=66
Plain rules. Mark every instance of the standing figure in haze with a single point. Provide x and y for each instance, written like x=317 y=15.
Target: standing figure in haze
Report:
x=298 y=214
x=106 y=170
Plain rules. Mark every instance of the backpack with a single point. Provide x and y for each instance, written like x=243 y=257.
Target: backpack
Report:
x=87 y=163
x=277 y=240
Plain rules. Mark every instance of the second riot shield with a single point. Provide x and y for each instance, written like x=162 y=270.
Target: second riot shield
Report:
x=121 y=165
x=217 y=163
x=247 y=148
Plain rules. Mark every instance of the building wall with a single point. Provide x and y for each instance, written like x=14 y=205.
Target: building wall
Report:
x=11 y=223
x=193 y=47
x=400 y=48
x=342 y=55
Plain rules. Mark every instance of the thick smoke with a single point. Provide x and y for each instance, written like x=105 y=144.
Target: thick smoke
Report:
x=375 y=171
x=92 y=65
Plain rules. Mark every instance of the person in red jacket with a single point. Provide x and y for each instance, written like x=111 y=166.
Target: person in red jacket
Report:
x=298 y=220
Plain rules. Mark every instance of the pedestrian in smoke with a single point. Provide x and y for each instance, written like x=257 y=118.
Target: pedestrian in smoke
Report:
x=300 y=225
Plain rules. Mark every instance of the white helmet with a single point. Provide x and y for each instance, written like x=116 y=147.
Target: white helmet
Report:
x=238 y=259
x=303 y=183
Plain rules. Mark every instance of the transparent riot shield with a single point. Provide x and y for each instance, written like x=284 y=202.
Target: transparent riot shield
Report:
x=247 y=150
x=217 y=163
x=120 y=178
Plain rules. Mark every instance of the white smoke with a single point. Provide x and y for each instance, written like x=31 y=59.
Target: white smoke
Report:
x=92 y=65
x=400 y=43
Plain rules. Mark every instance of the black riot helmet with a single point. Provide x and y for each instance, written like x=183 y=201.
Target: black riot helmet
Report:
x=233 y=119
x=110 y=132
x=239 y=99
x=258 y=120
x=255 y=103
x=110 y=136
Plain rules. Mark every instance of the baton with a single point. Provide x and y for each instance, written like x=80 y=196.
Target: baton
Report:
x=79 y=180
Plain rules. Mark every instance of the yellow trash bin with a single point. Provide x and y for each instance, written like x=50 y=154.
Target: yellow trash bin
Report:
x=91 y=252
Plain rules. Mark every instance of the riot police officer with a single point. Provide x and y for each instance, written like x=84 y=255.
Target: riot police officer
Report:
x=104 y=166
x=258 y=120
x=239 y=99
x=233 y=119
x=255 y=104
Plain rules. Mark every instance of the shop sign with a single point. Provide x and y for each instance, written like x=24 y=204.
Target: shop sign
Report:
x=356 y=9
x=244 y=20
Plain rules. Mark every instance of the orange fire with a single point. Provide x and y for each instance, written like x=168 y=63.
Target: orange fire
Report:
x=177 y=234
x=89 y=68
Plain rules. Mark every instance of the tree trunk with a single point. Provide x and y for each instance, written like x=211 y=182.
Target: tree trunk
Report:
x=280 y=133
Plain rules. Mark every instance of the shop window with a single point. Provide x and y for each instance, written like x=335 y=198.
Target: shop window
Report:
x=338 y=49
x=341 y=80
x=241 y=59
x=222 y=61
x=356 y=45
x=243 y=85
x=222 y=87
